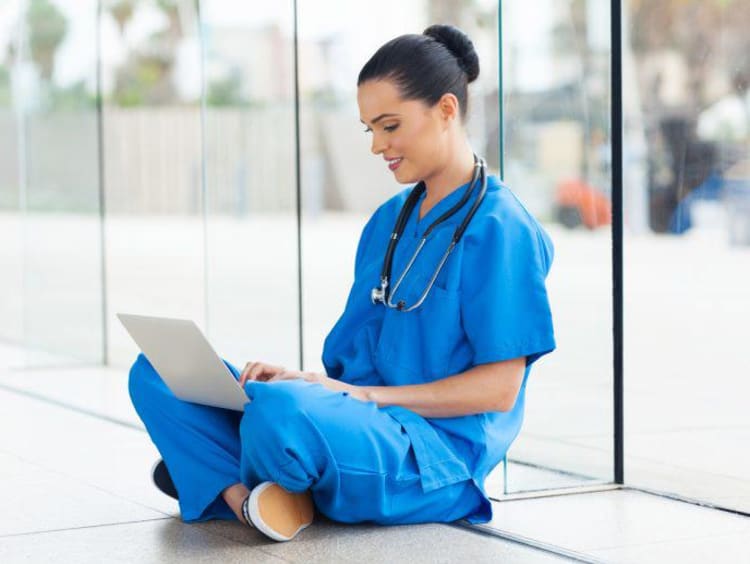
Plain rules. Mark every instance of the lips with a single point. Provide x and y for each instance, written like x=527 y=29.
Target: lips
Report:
x=394 y=163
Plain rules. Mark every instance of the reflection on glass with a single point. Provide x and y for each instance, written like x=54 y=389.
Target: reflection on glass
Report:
x=251 y=191
x=11 y=281
x=557 y=159
x=151 y=85
x=687 y=274
x=54 y=90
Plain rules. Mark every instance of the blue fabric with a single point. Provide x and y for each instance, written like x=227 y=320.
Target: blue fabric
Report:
x=364 y=463
x=355 y=458
x=488 y=304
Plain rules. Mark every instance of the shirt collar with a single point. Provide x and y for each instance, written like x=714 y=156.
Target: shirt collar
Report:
x=418 y=226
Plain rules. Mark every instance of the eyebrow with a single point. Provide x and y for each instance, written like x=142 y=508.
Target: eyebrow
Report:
x=381 y=116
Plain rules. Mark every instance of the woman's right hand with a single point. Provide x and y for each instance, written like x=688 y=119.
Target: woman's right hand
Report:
x=259 y=372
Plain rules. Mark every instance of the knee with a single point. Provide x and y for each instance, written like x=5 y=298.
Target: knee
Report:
x=140 y=378
x=273 y=407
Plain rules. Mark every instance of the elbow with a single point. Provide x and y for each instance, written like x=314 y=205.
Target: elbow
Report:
x=505 y=403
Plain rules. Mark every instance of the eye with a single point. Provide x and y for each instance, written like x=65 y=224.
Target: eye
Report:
x=367 y=130
x=391 y=127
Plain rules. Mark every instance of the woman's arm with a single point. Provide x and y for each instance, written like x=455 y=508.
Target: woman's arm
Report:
x=485 y=387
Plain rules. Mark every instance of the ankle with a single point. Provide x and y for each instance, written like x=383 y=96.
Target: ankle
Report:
x=234 y=496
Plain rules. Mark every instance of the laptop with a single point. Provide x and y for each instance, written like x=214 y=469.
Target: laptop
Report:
x=185 y=360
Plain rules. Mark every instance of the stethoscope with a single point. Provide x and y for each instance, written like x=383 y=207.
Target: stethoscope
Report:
x=382 y=294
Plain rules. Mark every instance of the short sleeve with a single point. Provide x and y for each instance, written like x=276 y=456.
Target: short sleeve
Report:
x=504 y=304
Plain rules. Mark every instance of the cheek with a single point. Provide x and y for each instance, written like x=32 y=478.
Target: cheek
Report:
x=417 y=140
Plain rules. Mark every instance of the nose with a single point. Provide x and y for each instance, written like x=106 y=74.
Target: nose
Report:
x=378 y=146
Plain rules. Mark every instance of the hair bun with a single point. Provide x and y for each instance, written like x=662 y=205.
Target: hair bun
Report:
x=459 y=44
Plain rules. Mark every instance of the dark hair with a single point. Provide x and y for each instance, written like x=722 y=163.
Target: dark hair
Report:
x=424 y=67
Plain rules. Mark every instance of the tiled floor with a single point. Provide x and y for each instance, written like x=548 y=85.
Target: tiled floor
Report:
x=75 y=488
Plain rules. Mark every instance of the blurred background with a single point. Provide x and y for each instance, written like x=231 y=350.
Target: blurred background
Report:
x=148 y=154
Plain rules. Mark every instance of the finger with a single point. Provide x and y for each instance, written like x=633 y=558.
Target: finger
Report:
x=285 y=375
x=247 y=374
x=258 y=371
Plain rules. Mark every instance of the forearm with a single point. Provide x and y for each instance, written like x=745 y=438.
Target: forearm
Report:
x=483 y=388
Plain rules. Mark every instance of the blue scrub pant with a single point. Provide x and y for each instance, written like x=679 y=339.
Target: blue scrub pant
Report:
x=355 y=458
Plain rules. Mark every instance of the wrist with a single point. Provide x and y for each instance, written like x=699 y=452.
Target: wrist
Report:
x=368 y=392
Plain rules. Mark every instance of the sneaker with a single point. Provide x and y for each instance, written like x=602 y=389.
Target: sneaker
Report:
x=163 y=480
x=277 y=513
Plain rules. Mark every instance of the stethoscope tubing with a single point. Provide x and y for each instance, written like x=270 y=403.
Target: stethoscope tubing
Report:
x=382 y=294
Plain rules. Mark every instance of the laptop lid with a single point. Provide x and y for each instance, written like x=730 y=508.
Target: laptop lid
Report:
x=185 y=360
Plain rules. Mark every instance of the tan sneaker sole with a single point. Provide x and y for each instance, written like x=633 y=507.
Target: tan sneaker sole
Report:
x=278 y=513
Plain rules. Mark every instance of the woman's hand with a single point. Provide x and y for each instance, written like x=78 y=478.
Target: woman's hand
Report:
x=314 y=377
x=278 y=374
x=259 y=372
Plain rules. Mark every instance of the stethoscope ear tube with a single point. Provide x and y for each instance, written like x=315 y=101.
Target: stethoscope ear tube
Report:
x=482 y=191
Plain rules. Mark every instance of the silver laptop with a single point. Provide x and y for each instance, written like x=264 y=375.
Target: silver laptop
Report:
x=185 y=360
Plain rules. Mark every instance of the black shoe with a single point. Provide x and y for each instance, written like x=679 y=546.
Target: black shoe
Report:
x=163 y=480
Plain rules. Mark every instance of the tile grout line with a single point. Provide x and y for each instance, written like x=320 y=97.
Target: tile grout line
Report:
x=530 y=542
x=82 y=482
x=70 y=407
x=83 y=527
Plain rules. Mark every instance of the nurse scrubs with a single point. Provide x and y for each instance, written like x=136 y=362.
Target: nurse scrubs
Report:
x=363 y=463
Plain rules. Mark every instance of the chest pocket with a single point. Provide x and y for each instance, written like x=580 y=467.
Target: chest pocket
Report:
x=416 y=346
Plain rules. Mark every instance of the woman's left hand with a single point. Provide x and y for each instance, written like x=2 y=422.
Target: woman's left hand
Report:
x=357 y=392
x=314 y=377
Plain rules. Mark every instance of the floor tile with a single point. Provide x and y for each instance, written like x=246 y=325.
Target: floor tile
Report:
x=325 y=541
x=35 y=499
x=81 y=448
x=723 y=549
x=595 y=521
x=165 y=541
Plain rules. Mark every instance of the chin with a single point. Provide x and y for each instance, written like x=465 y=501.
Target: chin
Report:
x=405 y=177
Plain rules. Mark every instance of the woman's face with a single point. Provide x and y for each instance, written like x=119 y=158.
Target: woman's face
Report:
x=408 y=133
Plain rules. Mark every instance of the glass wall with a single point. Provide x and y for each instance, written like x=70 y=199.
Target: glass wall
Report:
x=198 y=162
x=688 y=266
x=153 y=169
x=148 y=165
x=51 y=174
x=556 y=108
x=251 y=185
x=11 y=250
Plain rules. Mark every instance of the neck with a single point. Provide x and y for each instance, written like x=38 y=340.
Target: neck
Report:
x=456 y=171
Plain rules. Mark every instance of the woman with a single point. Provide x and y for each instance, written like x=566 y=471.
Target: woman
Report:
x=425 y=375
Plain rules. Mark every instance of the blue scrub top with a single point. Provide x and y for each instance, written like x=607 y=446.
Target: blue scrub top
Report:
x=489 y=303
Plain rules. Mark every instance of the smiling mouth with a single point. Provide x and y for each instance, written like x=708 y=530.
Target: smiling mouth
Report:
x=394 y=163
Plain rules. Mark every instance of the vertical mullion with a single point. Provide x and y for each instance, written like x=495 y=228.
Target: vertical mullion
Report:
x=617 y=236
x=297 y=165
x=501 y=110
x=102 y=186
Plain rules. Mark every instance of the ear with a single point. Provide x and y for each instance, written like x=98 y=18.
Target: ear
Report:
x=448 y=107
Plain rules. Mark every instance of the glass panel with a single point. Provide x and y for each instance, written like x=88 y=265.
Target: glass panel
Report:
x=56 y=89
x=557 y=159
x=688 y=266
x=11 y=261
x=251 y=205
x=151 y=81
x=342 y=181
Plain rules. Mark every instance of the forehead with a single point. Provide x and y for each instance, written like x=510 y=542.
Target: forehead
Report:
x=376 y=97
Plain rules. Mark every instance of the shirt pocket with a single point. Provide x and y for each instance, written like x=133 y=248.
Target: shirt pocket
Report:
x=420 y=343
